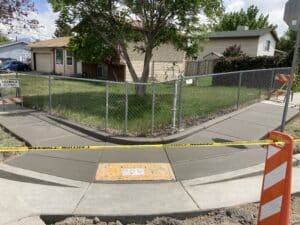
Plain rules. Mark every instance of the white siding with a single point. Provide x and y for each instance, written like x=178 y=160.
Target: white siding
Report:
x=19 y=52
x=248 y=46
x=261 y=51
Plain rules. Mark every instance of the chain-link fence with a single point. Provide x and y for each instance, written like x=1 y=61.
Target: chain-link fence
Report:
x=156 y=108
x=166 y=70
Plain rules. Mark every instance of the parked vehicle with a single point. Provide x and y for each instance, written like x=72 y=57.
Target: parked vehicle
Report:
x=15 y=66
x=6 y=60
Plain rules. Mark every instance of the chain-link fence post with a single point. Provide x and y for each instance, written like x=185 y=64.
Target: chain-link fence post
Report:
x=295 y=80
x=271 y=88
x=106 y=105
x=152 y=72
x=153 y=107
x=174 y=110
x=18 y=89
x=180 y=102
x=239 y=91
x=126 y=109
x=50 y=93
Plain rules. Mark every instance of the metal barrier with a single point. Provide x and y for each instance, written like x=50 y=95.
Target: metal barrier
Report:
x=165 y=107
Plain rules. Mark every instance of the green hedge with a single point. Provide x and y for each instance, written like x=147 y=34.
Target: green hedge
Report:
x=251 y=80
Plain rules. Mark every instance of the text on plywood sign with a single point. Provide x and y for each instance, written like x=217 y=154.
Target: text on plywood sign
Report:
x=9 y=83
x=133 y=172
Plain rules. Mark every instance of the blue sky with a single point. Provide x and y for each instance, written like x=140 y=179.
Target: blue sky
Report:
x=41 y=5
x=275 y=10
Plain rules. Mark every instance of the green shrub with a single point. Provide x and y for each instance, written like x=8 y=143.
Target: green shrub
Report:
x=296 y=87
x=251 y=80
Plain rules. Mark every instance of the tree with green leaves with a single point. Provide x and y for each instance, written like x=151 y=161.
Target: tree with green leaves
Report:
x=63 y=24
x=250 y=17
x=16 y=9
x=105 y=27
x=3 y=39
x=233 y=51
x=287 y=41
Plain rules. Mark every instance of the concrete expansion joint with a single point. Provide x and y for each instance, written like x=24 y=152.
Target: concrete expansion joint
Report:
x=82 y=197
x=190 y=196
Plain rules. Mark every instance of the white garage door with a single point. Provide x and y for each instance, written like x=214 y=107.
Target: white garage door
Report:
x=44 y=62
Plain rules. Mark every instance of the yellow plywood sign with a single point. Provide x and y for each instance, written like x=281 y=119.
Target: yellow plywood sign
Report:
x=134 y=172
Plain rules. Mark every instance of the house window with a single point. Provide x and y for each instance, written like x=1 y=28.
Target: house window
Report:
x=59 y=56
x=69 y=58
x=267 y=45
x=102 y=71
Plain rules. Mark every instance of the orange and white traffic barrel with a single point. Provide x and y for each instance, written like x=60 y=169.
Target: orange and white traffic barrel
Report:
x=276 y=189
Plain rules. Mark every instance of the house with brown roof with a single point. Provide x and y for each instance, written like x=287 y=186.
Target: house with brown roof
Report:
x=53 y=56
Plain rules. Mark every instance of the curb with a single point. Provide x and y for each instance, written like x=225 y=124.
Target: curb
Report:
x=32 y=220
x=144 y=140
x=296 y=159
x=235 y=175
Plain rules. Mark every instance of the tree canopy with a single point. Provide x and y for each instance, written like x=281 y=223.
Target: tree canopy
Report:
x=11 y=8
x=106 y=27
x=63 y=27
x=3 y=39
x=14 y=15
x=250 y=17
x=233 y=51
x=287 y=41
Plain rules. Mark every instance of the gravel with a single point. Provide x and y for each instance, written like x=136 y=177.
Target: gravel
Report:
x=243 y=215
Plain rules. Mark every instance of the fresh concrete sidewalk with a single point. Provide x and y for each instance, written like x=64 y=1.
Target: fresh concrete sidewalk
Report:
x=36 y=129
x=62 y=183
x=123 y=200
x=251 y=123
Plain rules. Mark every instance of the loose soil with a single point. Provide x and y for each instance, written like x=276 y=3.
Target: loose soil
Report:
x=243 y=215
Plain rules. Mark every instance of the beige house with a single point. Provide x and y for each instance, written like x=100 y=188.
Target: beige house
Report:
x=52 y=56
x=253 y=42
x=167 y=63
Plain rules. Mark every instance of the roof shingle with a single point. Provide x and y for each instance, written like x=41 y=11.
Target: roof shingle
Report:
x=242 y=34
x=52 y=43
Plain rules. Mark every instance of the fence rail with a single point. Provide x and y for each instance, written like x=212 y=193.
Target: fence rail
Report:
x=165 y=107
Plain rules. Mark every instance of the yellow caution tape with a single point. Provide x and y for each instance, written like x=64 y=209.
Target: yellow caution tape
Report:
x=154 y=146
x=297 y=140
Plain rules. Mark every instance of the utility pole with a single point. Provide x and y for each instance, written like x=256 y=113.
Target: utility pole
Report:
x=292 y=18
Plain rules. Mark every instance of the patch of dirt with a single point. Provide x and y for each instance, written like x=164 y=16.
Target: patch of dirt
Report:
x=243 y=215
x=7 y=155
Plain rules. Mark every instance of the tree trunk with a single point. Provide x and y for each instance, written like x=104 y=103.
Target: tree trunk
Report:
x=141 y=89
x=131 y=69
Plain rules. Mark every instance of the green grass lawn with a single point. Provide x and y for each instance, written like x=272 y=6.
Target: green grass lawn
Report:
x=7 y=140
x=84 y=102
